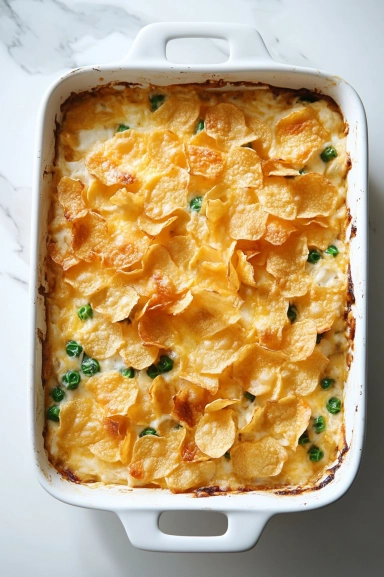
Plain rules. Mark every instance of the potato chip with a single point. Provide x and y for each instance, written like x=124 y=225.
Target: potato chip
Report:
x=156 y=457
x=257 y=368
x=319 y=236
x=277 y=198
x=113 y=391
x=299 y=134
x=289 y=258
x=216 y=209
x=90 y=237
x=226 y=123
x=181 y=249
x=115 y=303
x=151 y=227
x=243 y=169
x=190 y=476
x=126 y=448
x=262 y=135
x=204 y=161
x=218 y=404
x=130 y=200
x=107 y=450
x=166 y=193
x=189 y=404
x=247 y=222
x=213 y=355
x=321 y=305
x=278 y=231
x=99 y=197
x=119 y=160
x=278 y=167
x=161 y=393
x=289 y=417
x=215 y=433
x=157 y=329
x=88 y=278
x=295 y=285
x=299 y=340
x=143 y=411
x=70 y=198
x=302 y=378
x=120 y=256
x=100 y=338
x=165 y=149
x=314 y=195
x=263 y=458
x=80 y=423
x=133 y=352
x=180 y=305
x=179 y=113
x=208 y=314
x=245 y=270
x=254 y=423
x=208 y=382
x=62 y=255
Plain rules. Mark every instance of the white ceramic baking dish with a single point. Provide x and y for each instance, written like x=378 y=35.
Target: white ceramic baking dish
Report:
x=139 y=509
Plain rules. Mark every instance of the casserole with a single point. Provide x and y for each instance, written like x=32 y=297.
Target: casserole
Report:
x=247 y=513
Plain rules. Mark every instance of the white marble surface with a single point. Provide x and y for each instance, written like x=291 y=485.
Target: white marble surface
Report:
x=40 y=39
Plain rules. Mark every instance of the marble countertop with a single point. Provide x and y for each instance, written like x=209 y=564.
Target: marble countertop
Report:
x=40 y=40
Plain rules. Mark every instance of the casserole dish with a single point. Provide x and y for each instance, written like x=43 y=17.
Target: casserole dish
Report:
x=249 y=62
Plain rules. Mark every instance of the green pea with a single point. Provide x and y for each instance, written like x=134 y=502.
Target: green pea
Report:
x=165 y=364
x=148 y=431
x=85 y=312
x=333 y=250
x=333 y=405
x=200 y=126
x=319 y=424
x=153 y=371
x=129 y=373
x=195 y=203
x=122 y=128
x=249 y=396
x=292 y=313
x=71 y=380
x=89 y=366
x=304 y=438
x=314 y=256
x=156 y=101
x=53 y=413
x=328 y=153
x=319 y=336
x=327 y=383
x=57 y=394
x=73 y=349
x=227 y=455
x=315 y=454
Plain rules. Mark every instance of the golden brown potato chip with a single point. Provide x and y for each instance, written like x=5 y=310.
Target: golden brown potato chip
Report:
x=289 y=417
x=205 y=161
x=62 y=255
x=107 y=450
x=226 y=123
x=161 y=393
x=143 y=411
x=215 y=433
x=257 y=368
x=299 y=340
x=319 y=236
x=70 y=198
x=189 y=404
x=208 y=382
x=262 y=135
x=218 y=404
x=247 y=222
x=166 y=193
x=254 y=420
x=211 y=356
x=191 y=476
x=90 y=236
x=216 y=209
x=99 y=197
x=133 y=352
x=179 y=112
x=243 y=169
x=278 y=167
x=156 y=457
x=289 y=258
x=157 y=329
x=151 y=227
x=126 y=448
x=321 y=305
x=299 y=134
x=115 y=303
x=302 y=377
x=208 y=314
x=165 y=149
x=180 y=305
x=124 y=255
x=113 y=391
x=277 y=230
x=130 y=200
x=81 y=423
x=314 y=195
x=100 y=338
x=88 y=278
x=295 y=285
x=276 y=197
x=263 y=458
x=245 y=270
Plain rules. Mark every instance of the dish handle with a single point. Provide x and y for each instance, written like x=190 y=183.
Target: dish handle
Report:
x=244 y=530
x=149 y=47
